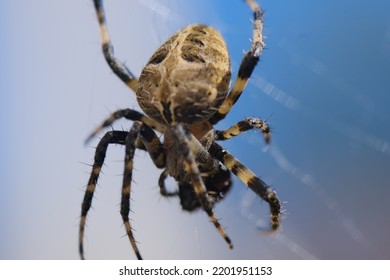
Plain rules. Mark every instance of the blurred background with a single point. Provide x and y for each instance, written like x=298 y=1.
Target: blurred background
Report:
x=322 y=84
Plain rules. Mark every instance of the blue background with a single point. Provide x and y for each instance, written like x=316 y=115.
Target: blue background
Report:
x=322 y=84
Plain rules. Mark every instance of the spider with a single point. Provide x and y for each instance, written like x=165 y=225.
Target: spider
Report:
x=183 y=91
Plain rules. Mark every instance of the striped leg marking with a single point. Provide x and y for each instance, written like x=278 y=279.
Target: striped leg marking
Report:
x=118 y=67
x=131 y=141
x=153 y=145
x=111 y=137
x=242 y=126
x=184 y=137
x=247 y=66
x=127 y=114
x=140 y=137
x=251 y=180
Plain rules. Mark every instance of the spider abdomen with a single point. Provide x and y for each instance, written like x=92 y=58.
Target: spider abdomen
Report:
x=187 y=78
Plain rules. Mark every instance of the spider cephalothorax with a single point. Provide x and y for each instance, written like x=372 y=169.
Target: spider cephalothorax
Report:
x=183 y=91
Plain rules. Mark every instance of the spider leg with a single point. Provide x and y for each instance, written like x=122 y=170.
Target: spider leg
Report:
x=111 y=137
x=153 y=145
x=184 y=137
x=140 y=137
x=127 y=114
x=161 y=184
x=251 y=180
x=131 y=140
x=247 y=66
x=156 y=151
x=117 y=66
x=242 y=126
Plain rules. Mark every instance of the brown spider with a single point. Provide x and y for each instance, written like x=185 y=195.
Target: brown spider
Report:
x=184 y=91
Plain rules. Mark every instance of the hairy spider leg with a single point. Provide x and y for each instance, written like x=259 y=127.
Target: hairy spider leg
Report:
x=129 y=114
x=131 y=141
x=111 y=137
x=251 y=180
x=247 y=65
x=119 y=68
x=242 y=126
x=184 y=138
x=140 y=137
x=153 y=145
x=161 y=184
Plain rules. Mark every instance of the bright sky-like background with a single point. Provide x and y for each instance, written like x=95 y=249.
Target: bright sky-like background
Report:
x=322 y=83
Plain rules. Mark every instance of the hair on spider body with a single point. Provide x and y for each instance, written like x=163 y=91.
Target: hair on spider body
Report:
x=187 y=78
x=183 y=91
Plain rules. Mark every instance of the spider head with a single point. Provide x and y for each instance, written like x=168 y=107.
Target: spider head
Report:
x=217 y=186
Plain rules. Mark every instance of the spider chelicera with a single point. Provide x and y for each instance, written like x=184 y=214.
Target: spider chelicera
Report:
x=183 y=91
